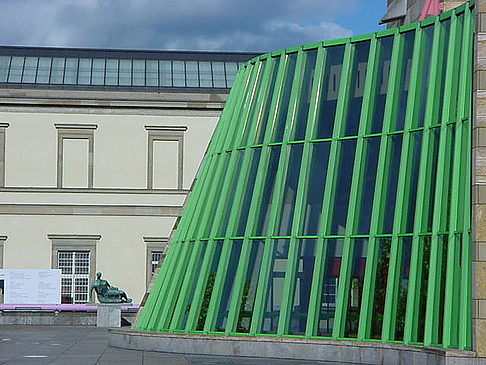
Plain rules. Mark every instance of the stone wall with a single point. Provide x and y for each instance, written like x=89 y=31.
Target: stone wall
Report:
x=479 y=184
x=414 y=10
x=54 y=318
x=451 y=4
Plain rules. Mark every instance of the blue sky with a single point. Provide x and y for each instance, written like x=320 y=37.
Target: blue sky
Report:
x=225 y=25
x=366 y=18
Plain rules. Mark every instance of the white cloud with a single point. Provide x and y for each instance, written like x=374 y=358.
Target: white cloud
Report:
x=172 y=24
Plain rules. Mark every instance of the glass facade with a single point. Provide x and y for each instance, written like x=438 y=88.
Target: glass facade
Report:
x=333 y=200
x=67 y=67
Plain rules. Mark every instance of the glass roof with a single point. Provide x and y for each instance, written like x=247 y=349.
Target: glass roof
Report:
x=68 y=68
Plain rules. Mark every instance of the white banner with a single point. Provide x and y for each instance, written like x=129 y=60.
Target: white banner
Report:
x=31 y=286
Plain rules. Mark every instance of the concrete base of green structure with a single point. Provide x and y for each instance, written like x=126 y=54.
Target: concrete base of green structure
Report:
x=353 y=352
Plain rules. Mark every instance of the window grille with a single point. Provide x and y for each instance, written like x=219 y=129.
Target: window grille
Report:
x=156 y=256
x=75 y=269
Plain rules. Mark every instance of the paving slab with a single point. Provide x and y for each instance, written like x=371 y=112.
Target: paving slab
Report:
x=89 y=346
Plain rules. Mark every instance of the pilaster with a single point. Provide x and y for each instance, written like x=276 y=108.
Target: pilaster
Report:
x=479 y=183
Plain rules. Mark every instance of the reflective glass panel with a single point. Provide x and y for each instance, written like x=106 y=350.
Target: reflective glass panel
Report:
x=379 y=286
x=219 y=78
x=275 y=285
x=250 y=286
x=165 y=73
x=380 y=91
x=220 y=181
x=231 y=70
x=303 y=283
x=356 y=87
x=138 y=73
x=265 y=205
x=343 y=183
x=176 y=285
x=57 y=71
x=285 y=100
x=449 y=157
x=125 y=73
x=16 y=67
x=404 y=72
x=411 y=194
x=330 y=90
x=390 y=192
x=289 y=190
x=424 y=252
x=334 y=251
x=192 y=73
x=205 y=75
x=231 y=201
x=359 y=249
x=442 y=68
x=98 y=75
x=428 y=33
x=201 y=247
x=151 y=73
x=248 y=192
x=431 y=177
x=4 y=65
x=111 y=72
x=305 y=94
x=30 y=69
x=254 y=111
x=315 y=188
x=43 y=70
x=443 y=243
x=84 y=77
x=213 y=262
x=406 y=248
x=372 y=150
x=229 y=280
x=261 y=129
x=179 y=73
x=71 y=71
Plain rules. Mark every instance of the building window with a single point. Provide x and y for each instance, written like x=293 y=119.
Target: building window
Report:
x=156 y=256
x=75 y=255
x=328 y=306
x=2 y=242
x=75 y=155
x=329 y=292
x=3 y=127
x=2 y=281
x=165 y=157
x=75 y=281
x=156 y=250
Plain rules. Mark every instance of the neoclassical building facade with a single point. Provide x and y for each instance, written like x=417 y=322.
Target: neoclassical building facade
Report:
x=98 y=149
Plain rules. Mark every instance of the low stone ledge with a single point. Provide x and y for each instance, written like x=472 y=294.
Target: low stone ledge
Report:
x=55 y=318
x=353 y=352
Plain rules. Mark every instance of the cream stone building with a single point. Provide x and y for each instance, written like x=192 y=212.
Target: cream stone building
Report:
x=401 y=12
x=98 y=149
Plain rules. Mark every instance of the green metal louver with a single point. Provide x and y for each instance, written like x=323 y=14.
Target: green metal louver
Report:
x=334 y=199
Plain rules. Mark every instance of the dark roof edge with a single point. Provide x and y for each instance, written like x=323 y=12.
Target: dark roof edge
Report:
x=6 y=49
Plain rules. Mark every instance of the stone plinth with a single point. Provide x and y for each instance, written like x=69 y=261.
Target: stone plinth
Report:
x=108 y=315
x=335 y=351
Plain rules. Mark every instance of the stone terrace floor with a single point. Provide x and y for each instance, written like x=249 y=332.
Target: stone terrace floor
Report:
x=89 y=345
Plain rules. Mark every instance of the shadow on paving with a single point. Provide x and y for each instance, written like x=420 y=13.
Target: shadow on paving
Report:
x=89 y=345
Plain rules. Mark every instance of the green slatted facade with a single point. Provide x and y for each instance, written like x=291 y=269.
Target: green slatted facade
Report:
x=334 y=198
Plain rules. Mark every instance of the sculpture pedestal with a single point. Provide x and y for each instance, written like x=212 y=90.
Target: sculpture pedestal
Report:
x=108 y=315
